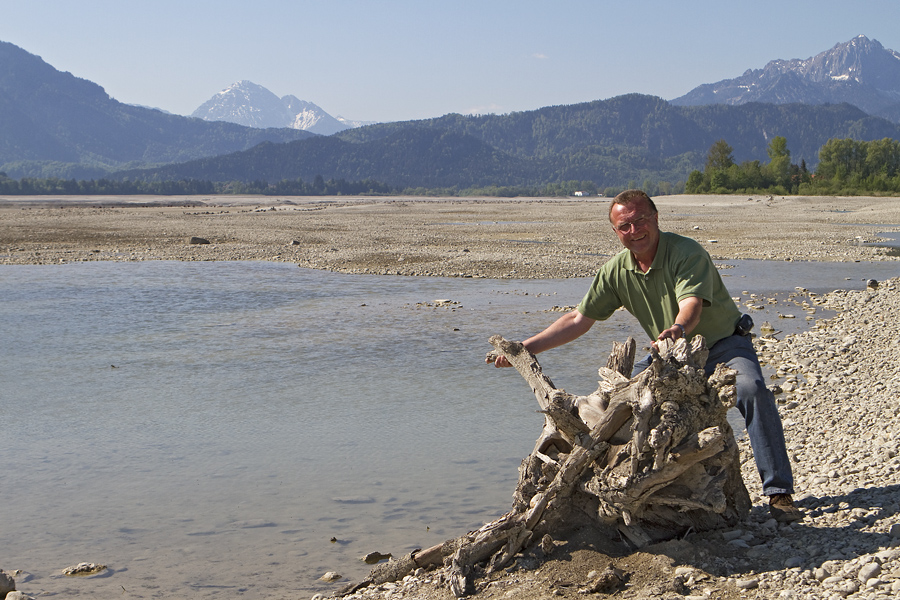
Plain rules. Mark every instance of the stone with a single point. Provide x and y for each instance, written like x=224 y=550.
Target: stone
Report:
x=375 y=557
x=847 y=587
x=7 y=583
x=83 y=569
x=197 y=240
x=747 y=584
x=868 y=571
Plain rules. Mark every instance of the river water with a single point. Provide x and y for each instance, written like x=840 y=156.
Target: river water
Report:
x=222 y=429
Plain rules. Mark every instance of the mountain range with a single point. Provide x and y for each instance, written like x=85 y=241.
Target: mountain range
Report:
x=609 y=142
x=860 y=72
x=246 y=103
x=55 y=124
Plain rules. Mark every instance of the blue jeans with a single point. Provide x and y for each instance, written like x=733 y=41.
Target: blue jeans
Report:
x=757 y=405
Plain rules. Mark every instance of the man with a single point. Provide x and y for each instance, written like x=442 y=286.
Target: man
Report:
x=670 y=284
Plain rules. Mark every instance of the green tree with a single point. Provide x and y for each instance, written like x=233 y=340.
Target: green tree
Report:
x=779 y=161
x=720 y=156
x=696 y=183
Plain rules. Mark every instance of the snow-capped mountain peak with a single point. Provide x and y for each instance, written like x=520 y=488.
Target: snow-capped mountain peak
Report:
x=252 y=105
x=861 y=72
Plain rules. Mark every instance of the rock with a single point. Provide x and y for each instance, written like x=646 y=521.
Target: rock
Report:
x=747 y=584
x=375 y=557
x=547 y=544
x=198 y=240
x=83 y=569
x=847 y=587
x=7 y=583
x=330 y=576
x=679 y=586
x=868 y=571
x=18 y=596
x=872 y=284
x=793 y=562
x=609 y=581
x=895 y=531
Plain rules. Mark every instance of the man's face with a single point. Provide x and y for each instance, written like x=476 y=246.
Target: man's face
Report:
x=637 y=227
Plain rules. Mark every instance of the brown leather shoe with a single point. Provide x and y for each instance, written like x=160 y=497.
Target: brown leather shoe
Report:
x=782 y=508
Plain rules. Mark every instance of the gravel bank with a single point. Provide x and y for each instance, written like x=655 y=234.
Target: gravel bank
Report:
x=531 y=238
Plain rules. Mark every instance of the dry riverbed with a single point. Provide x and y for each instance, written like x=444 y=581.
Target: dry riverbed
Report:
x=527 y=238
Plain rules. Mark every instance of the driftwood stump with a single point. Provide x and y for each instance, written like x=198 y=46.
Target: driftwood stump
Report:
x=648 y=457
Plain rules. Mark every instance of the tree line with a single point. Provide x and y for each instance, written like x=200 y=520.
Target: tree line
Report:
x=48 y=186
x=319 y=186
x=846 y=167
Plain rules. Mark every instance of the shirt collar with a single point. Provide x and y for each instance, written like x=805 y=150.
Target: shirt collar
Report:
x=661 y=248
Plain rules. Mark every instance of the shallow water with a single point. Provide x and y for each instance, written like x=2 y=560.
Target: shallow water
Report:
x=210 y=428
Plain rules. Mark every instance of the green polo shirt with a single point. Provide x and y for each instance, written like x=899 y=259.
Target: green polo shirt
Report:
x=680 y=269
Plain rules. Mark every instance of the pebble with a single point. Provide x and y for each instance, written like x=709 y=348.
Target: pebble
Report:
x=747 y=584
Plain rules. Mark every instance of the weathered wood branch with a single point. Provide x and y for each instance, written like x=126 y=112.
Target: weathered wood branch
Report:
x=648 y=456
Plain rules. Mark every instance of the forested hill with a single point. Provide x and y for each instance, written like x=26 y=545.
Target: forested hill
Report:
x=655 y=128
x=609 y=142
x=407 y=157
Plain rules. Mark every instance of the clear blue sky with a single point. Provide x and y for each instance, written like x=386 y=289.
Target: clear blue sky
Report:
x=392 y=60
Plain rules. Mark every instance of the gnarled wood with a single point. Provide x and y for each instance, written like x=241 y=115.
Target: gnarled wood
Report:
x=649 y=457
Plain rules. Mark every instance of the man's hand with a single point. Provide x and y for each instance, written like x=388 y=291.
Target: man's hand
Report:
x=674 y=332
x=498 y=360
x=689 y=310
